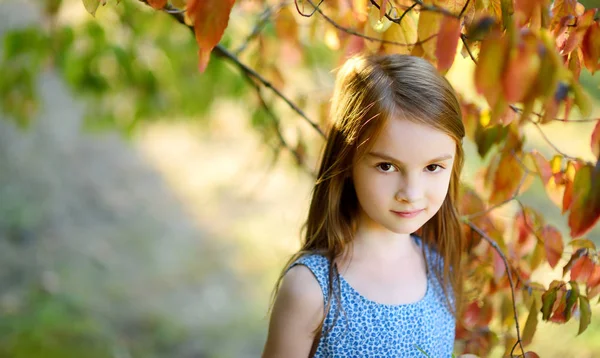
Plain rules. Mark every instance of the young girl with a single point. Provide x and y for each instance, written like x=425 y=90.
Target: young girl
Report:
x=363 y=284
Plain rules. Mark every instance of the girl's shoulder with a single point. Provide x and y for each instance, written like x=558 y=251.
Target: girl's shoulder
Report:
x=318 y=265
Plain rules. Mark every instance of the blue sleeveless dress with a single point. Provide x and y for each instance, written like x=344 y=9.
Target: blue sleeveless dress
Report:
x=365 y=328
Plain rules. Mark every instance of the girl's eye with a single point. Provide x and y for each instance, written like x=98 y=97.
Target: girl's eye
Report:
x=434 y=168
x=386 y=167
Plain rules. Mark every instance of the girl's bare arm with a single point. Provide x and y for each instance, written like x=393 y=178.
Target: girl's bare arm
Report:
x=297 y=312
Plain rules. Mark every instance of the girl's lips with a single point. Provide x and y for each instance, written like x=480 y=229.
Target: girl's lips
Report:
x=408 y=214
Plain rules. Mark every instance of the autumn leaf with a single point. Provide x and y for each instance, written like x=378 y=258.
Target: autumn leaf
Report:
x=548 y=299
x=427 y=29
x=582 y=269
x=595 y=141
x=593 y=282
x=553 y=243
x=377 y=19
x=91 y=6
x=582 y=244
x=562 y=8
x=585 y=314
x=506 y=179
x=574 y=257
x=530 y=324
x=585 y=208
x=447 y=42
x=488 y=72
x=157 y=4
x=522 y=69
x=590 y=47
x=542 y=166
x=404 y=33
x=210 y=19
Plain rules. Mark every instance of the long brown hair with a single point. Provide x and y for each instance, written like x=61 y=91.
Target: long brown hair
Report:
x=370 y=90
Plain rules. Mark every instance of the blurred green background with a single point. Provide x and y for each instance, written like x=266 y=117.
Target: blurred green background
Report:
x=143 y=209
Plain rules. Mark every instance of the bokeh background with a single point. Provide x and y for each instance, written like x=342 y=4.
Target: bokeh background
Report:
x=145 y=209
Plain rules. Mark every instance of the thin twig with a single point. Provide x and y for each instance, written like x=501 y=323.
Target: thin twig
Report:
x=369 y=38
x=276 y=124
x=463 y=37
x=307 y=15
x=508 y=272
x=260 y=24
x=462 y=12
x=496 y=206
x=537 y=125
x=399 y=19
x=221 y=51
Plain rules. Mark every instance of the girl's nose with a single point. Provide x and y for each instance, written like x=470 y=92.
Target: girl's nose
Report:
x=411 y=190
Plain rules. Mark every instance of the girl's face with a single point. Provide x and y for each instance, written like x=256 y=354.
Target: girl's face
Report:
x=403 y=179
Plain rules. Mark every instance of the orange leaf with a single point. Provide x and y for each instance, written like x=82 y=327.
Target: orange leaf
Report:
x=553 y=243
x=429 y=25
x=210 y=19
x=582 y=269
x=593 y=280
x=561 y=8
x=447 y=42
x=542 y=165
x=595 y=143
x=522 y=69
x=506 y=179
x=585 y=209
x=488 y=72
x=576 y=255
x=157 y=4
x=590 y=47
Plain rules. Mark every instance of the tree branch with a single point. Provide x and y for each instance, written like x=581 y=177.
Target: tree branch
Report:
x=260 y=24
x=221 y=51
x=369 y=38
x=276 y=125
x=510 y=280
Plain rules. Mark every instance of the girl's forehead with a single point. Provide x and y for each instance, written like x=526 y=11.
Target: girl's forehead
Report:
x=411 y=139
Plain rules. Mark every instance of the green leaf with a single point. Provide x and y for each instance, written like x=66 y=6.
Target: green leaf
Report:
x=530 y=324
x=91 y=6
x=585 y=316
x=548 y=299
x=572 y=296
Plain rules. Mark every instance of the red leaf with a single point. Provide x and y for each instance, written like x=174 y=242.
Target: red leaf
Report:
x=157 y=4
x=582 y=269
x=447 y=42
x=543 y=166
x=594 y=278
x=506 y=178
x=488 y=72
x=595 y=143
x=553 y=243
x=210 y=19
x=576 y=255
x=522 y=69
x=591 y=47
x=585 y=209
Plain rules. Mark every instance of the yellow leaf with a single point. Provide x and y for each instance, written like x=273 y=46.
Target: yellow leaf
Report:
x=427 y=30
x=91 y=6
x=531 y=323
x=404 y=33
x=377 y=22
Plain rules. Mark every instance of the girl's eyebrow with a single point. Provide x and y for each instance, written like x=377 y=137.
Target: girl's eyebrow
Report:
x=387 y=157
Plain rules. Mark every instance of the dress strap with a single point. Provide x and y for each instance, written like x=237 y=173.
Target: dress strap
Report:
x=319 y=266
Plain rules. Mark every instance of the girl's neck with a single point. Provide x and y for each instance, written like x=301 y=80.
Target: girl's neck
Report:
x=382 y=244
